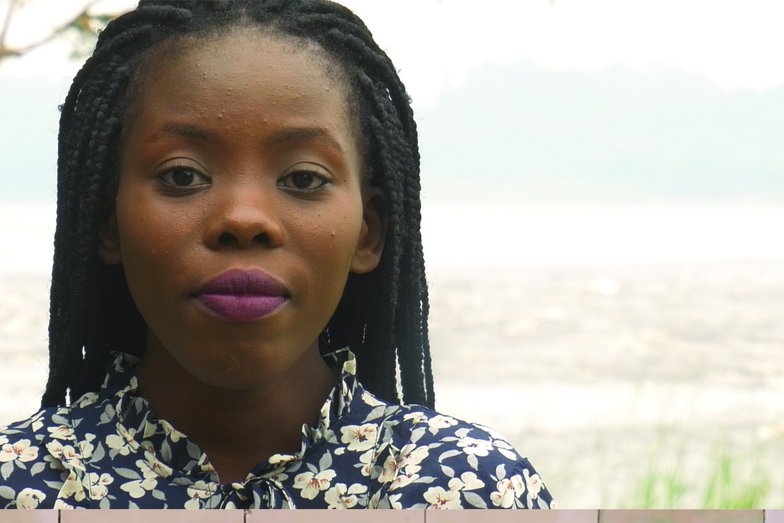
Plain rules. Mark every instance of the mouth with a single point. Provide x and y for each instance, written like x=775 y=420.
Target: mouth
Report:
x=242 y=296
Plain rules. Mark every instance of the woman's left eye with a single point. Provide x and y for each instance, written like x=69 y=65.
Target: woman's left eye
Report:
x=182 y=178
x=304 y=179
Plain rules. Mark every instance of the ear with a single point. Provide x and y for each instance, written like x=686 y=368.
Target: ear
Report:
x=374 y=231
x=109 y=242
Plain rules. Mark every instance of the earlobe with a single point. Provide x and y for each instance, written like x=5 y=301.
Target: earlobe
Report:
x=374 y=231
x=109 y=245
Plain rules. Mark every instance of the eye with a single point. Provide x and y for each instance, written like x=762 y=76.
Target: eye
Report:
x=304 y=178
x=183 y=179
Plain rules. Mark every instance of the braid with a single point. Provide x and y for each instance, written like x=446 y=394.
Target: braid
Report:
x=382 y=315
x=90 y=125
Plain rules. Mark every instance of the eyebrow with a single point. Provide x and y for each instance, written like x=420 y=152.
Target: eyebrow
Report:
x=280 y=137
x=304 y=134
x=184 y=130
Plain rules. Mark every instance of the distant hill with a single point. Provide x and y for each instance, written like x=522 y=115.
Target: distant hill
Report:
x=524 y=132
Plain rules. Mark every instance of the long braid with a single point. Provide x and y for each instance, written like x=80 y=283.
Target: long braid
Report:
x=383 y=314
x=89 y=132
x=408 y=296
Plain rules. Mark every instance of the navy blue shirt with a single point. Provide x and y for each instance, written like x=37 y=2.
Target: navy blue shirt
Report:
x=108 y=450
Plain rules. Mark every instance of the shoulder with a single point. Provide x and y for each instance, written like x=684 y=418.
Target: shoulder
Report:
x=38 y=456
x=431 y=460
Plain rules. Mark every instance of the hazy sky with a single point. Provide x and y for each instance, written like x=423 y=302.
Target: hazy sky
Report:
x=437 y=44
x=734 y=43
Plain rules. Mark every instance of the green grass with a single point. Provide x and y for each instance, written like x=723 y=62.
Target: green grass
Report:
x=725 y=486
x=725 y=491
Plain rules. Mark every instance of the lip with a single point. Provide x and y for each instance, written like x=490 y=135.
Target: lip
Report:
x=242 y=295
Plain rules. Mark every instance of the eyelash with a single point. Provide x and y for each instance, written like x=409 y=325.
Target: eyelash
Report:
x=316 y=175
x=171 y=186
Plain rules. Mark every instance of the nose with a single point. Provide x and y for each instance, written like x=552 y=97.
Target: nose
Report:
x=244 y=218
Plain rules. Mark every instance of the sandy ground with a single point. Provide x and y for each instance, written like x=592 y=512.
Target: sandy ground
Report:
x=601 y=374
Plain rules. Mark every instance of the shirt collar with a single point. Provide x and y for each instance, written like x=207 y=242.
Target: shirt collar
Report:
x=168 y=451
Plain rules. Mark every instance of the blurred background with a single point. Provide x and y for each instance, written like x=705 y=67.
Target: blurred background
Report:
x=603 y=200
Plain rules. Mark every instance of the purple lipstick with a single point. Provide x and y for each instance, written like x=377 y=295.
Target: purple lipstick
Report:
x=238 y=295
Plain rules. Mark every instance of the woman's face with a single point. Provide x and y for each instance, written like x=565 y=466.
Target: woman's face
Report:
x=239 y=212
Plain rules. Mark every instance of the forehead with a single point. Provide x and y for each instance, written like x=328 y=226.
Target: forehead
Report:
x=240 y=69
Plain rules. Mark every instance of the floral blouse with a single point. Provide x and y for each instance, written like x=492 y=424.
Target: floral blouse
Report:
x=108 y=450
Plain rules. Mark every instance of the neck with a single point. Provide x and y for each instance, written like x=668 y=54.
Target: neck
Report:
x=237 y=428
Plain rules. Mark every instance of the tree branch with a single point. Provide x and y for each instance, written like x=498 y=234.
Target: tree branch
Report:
x=6 y=25
x=75 y=21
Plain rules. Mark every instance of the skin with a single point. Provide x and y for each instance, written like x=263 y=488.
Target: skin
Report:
x=208 y=183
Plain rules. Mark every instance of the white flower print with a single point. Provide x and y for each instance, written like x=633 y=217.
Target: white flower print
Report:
x=440 y=422
x=55 y=448
x=438 y=498
x=389 y=469
x=350 y=366
x=21 y=450
x=533 y=483
x=366 y=459
x=118 y=444
x=280 y=459
x=37 y=423
x=137 y=488
x=517 y=483
x=415 y=417
x=394 y=501
x=29 y=498
x=405 y=476
x=359 y=438
x=60 y=432
x=410 y=456
x=96 y=484
x=372 y=401
x=59 y=504
x=507 y=490
x=3 y=440
x=72 y=487
x=173 y=434
x=467 y=481
x=475 y=447
x=199 y=490
x=161 y=469
x=65 y=453
x=341 y=497
x=311 y=484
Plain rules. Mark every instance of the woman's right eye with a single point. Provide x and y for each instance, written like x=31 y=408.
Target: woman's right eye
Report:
x=183 y=179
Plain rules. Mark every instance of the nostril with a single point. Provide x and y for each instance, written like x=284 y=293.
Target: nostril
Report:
x=262 y=238
x=227 y=239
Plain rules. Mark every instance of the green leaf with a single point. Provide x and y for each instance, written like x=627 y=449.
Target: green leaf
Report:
x=417 y=434
x=500 y=472
x=326 y=461
x=474 y=499
x=127 y=473
x=7 y=492
x=7 y=469
x=448 y=454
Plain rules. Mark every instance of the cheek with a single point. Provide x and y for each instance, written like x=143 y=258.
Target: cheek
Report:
x=333 y=237
x=152 y=242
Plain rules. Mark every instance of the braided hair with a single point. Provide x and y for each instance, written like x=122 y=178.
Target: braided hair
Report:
x=382 y=315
